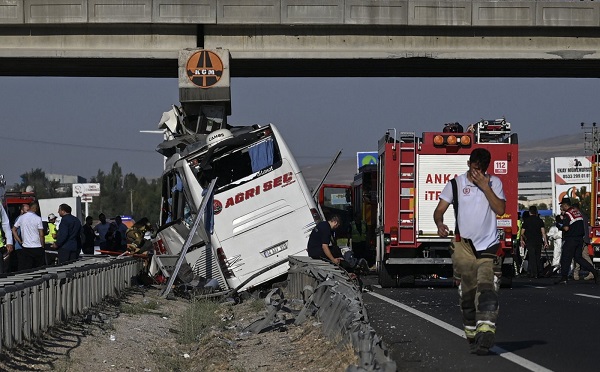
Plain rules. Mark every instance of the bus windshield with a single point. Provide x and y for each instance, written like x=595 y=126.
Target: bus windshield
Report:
x=238 y=162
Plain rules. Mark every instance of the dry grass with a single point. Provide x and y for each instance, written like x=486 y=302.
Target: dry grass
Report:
x=152 y=333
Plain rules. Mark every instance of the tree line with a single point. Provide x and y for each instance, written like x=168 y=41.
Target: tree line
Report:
x=119 y=194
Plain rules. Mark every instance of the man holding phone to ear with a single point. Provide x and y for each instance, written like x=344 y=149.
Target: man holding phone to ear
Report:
x=477 y=267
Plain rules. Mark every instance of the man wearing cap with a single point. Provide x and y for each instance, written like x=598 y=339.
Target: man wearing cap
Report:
x=572 y=226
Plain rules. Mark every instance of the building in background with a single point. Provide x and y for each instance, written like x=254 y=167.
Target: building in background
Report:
x=65 y=181
x=536 y=188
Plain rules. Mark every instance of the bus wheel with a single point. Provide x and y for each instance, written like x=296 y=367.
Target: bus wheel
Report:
x=385 y=279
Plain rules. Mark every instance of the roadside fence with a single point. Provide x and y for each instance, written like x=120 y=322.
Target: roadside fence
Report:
x=32 y=302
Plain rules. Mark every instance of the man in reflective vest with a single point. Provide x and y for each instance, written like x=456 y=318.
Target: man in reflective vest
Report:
x=50 y=238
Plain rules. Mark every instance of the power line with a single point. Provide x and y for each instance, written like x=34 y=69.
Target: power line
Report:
x=75 y=145
x=327 y=157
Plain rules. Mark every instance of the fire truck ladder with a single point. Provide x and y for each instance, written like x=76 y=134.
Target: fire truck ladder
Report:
x=406 y=185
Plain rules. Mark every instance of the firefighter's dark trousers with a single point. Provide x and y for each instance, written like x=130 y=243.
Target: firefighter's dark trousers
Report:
x=573 y=249
x=479 y=276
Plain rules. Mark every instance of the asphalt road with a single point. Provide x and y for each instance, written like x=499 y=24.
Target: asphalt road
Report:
x=541 y=327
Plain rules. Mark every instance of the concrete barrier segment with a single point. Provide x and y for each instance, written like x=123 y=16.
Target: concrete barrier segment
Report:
x=337 y=303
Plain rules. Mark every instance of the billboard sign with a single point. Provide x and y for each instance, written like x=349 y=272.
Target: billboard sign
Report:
x=366 y=158
x=86 y=189
x=570 y=176
x=575 y=169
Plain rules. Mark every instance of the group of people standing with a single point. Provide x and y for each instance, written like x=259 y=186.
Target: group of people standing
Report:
x=110 y=236
x=27 y=240
x=30 y=243
x=570 y=236
x=576 y=237
x=533 y=234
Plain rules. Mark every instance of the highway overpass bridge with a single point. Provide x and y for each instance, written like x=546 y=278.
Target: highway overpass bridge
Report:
x=520 y=38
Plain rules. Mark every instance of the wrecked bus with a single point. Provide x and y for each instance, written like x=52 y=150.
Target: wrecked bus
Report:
x=262 y=208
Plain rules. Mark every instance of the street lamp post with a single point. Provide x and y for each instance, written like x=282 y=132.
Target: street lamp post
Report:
x=591 y=144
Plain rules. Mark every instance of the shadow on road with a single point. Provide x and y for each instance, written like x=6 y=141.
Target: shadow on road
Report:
x=520 y=345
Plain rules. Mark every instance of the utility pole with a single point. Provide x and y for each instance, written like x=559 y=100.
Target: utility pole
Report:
x=591 y=144
x=131 y=199
x=591 y=139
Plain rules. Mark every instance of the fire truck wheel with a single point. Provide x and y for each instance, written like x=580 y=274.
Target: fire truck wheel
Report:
x=406 y=280
x=386 y=280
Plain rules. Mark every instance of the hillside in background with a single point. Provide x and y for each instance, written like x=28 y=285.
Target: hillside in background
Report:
x=342 y=173
x=534 y=156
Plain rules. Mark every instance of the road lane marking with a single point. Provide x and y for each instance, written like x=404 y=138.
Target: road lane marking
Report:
x=525 y=363
x=585 y=295
x=534 y=286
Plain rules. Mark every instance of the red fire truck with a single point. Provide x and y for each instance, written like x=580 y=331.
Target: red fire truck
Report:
x=12 y=201
x=412 y=171
x=337 y=199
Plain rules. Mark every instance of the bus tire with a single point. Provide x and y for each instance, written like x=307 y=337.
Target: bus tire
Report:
x=386 y=280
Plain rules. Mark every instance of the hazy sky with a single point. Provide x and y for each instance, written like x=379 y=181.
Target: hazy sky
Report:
x=80 y=125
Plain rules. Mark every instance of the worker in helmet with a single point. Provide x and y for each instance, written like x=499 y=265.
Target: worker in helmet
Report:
x=136 y=237
x=50 y=240
x=50 y=237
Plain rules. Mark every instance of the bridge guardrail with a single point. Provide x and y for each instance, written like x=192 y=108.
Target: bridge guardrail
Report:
x=552 y=13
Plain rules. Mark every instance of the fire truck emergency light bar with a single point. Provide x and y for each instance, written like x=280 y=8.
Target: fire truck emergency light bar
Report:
x=441 y=140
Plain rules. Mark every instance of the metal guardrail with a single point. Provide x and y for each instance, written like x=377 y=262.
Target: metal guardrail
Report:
x=339 y=307
x=32 y=302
